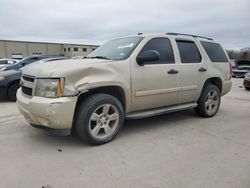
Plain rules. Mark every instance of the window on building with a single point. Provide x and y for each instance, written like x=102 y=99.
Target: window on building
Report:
x=84 y=49
x=188 y=51
x=69 y=49
x=75 y=49
x=163 y=46
x=214 y=51
x=64 y=49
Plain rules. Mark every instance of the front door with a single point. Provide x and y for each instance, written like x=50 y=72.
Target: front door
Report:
x=156 y=84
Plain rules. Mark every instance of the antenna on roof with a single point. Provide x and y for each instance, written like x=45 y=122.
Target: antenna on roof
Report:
x=195 y=36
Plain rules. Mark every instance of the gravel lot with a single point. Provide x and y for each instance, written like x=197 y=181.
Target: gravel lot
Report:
x=175 y=150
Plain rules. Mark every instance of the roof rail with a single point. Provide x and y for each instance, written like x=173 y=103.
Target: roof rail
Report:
x=195 y=36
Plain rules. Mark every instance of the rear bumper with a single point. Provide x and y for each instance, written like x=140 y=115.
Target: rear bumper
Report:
x=54 y=113
x=226 y=87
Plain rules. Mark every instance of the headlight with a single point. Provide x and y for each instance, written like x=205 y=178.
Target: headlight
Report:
x=2 y=78
x=49 y=87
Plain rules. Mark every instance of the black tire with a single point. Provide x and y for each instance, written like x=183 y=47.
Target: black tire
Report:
x=86 y=111
x=12 y=91
x=247 y=88
x=204 y=103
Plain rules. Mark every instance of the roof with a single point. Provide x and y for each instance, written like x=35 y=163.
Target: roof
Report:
x=177 y=34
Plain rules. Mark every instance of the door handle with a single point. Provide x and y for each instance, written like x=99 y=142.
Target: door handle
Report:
x=172 y=71
x=202 y=69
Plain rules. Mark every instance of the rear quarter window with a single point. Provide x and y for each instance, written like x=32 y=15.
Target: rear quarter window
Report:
x=214 y=52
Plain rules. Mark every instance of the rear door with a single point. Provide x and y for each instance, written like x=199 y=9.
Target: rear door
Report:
x=193 y=70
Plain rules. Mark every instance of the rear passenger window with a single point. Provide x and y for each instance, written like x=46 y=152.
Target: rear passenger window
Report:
x=214 y=51
x=163 y=46
x=188 y=51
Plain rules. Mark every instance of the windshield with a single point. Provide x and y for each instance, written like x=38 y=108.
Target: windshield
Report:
x=117 y=49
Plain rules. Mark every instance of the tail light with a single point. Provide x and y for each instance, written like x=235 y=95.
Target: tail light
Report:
x=231 y=71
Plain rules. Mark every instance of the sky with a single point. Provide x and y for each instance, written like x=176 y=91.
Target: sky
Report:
x=96 y=21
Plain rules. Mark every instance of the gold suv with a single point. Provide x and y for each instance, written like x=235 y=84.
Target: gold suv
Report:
x=130 y=77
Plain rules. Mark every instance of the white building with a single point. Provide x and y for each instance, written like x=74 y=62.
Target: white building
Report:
x=20 y=49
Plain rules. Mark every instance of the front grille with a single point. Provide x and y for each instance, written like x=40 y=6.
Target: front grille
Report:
x=29 y=79
x=28 y=84
x=26 y=90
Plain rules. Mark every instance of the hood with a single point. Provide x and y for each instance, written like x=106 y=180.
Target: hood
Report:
x=12 y=67
x=3 y=65
x=10 y=73
x=59 y=68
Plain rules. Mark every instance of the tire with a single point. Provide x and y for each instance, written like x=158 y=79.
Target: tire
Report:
x=99 y=118
x=209 y=101
x=12 y=91
x=247 y=88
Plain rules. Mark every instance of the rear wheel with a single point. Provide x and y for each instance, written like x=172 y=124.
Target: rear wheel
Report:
x=209 y=102
x=99 y=118
x=12 y=91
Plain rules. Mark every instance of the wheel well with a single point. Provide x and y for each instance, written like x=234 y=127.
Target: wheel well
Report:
x=11 y=83
x=215 y=81
x=115 y=91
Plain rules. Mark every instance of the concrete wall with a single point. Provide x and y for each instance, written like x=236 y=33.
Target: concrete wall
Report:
x=55 y=49
x=82 y=50
x=36 y=48
x=12 y=49
x=2 y=49
x=15 y=48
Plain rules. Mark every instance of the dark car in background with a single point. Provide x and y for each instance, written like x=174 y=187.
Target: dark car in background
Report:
x=7 y=62
x=24 y=62
x=242 y=67
x=246 y=82
x=10 y=79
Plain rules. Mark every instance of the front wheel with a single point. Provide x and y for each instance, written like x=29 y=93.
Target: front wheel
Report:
x=209 y=101
x=12 y=91
x=99 y=118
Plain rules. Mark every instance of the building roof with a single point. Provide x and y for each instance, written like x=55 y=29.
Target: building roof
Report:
x=4 y=40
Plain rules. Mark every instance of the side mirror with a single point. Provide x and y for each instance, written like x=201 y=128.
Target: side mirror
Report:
x=148 y=56
x=23 y=64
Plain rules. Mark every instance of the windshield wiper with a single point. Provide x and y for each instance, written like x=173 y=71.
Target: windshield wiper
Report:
x=99 y=57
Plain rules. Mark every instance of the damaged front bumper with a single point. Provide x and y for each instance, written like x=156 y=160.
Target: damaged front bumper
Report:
x=53 y=113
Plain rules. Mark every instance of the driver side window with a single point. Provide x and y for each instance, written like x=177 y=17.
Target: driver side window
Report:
x=163 y=46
